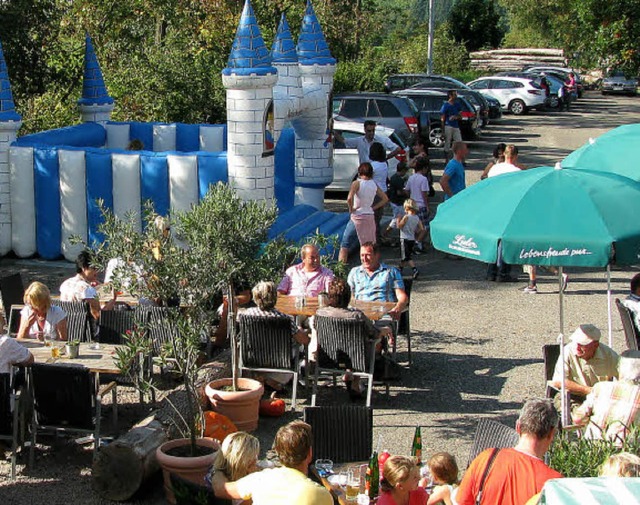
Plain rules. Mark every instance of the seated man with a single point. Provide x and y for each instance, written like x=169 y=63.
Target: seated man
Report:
x=516 y=474
x=586 y=362
x=13 y=352
x=632 y=302
x=612 y=408
x=377 y=282
x=283 y=485
x=307 y=278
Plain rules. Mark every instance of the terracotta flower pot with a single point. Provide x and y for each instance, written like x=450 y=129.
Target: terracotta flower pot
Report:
x=240 y=406
x=191 y=468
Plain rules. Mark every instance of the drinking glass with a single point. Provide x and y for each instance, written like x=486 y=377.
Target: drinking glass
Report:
x=353 y=484
x=300 y=302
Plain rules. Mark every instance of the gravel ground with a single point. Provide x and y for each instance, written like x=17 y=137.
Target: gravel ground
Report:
x=476 y=345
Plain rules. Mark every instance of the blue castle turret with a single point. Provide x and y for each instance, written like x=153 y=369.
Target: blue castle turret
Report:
x=95 y=104
x=7 y=107
x=249 y=79
x=312 y=46
x=249 y=55
x=284 y=49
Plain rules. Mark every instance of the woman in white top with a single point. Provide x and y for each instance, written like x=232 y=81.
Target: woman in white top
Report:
x=361 y=197
x=39 y=318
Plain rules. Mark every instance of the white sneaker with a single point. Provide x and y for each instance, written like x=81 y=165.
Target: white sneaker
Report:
x=532 y=290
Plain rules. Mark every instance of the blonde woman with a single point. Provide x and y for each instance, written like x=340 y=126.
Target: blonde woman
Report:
x=399 y=486
x=39 y=318
x=237 y=457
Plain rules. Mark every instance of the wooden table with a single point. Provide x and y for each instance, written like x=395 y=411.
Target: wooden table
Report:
x=338 y=492
x=373 y=310
x=100 y=360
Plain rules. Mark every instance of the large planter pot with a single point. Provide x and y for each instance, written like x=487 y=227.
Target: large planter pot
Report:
x=240 y=406
x=189 y=468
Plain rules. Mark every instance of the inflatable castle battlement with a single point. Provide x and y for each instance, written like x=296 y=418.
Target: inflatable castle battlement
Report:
x=274 y=148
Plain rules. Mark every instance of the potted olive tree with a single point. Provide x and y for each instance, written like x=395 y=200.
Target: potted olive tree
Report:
x=190 y=259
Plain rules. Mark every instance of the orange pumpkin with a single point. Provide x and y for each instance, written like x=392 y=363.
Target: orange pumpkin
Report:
x=272 y=407
x=217 y=426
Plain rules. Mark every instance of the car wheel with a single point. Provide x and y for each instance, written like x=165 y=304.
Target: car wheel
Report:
x=554 y=102
x=517 y=107
x=436 y=136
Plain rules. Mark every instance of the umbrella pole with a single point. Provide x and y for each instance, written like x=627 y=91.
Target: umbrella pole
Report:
x=564 y=419
x=609 y=306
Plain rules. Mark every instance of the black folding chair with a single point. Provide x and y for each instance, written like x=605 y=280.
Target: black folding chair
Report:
x=66 y=399
x=12 y=293
x=344 y=344
x=491 y=434
x=115 y=323
x=631 y=333
x=341 y=433
x=9 y=414
x=266 y=345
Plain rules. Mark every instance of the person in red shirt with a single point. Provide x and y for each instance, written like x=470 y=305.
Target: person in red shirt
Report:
x=516 y=474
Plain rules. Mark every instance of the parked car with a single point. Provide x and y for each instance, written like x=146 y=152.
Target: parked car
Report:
x=441 y=82
x=618 y=82
x=516 y=95
x=346 y=161
x=395 y=112
x=554 y=79
x=429 y=102
x=395 y=82
x=495 y=111
x=560 y=72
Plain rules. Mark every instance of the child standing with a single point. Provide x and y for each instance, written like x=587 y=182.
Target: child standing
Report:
x=418 y=189
x=444 y=471
x=399 y=485
x=411 y=231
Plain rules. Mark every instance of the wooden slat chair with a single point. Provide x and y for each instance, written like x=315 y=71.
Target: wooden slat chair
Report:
x=631 y=333
x=65 y=398
x=342 y=344
x=79 y=320
x=266 y=345
x=341 y=433
x=9 y=414
x=12 y=293
x=492 y=434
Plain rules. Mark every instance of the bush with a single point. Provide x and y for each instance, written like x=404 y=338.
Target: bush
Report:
x=367 y=73
x=580 y=457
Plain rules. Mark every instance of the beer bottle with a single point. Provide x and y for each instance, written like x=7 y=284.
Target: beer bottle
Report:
x=372 y=480
x=416 y=447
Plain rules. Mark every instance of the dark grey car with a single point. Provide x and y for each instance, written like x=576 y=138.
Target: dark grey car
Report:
x=395 y=112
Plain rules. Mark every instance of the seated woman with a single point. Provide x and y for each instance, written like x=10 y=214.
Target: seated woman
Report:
x=339 y=298
x=265 y=296
x=81 y=287
x=39 y=318
x=237 y=457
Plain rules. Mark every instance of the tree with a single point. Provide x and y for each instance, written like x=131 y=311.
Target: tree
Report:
x=477 y=24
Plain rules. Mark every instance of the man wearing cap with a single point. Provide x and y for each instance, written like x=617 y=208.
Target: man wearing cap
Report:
x=586 y=362
x=612 y=408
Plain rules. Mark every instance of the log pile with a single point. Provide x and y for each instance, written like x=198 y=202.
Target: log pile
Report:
x=505 y=60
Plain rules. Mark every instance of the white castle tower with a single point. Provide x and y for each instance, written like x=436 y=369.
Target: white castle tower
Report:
x=10 y=123
x=313 y=154
x=249 y=79
x=95 y=105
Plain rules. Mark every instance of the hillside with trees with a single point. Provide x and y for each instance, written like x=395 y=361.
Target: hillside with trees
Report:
x=162 y=58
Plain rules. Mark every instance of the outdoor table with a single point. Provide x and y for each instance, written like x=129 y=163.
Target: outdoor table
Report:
x=373 y=310
x=98 y=361
x=338 y=492
x=591 y=490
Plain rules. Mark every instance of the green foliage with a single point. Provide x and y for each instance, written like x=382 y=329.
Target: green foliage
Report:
x=477 y=24
x=367 y=73
x=575 y=456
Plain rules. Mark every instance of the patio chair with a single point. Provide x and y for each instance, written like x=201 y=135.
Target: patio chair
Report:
x=404 y=323
x=266 y=345
x=492 y=434
x=65 y=398
x=550 y=354
x=12 y=293
x=79 y=320
x=14 y=319
x=341 y=433
x=631 y=333
x=342 y=344
x=9 y=414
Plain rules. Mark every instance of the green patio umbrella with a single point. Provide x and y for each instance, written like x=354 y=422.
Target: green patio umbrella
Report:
x=545 y=216
x=617 y=151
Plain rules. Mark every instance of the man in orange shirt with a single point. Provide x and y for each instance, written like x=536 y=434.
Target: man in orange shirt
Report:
x=515 y=474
